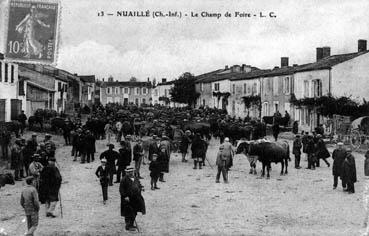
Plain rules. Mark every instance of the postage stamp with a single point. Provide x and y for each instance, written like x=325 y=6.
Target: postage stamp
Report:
x=32 y=31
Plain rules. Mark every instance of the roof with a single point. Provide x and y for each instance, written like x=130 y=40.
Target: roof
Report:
x=166 y=83
x=127 y=84
x=87 y=78
x=250 y=75
x=205 y=76
x=288 y=70
x=329 y=62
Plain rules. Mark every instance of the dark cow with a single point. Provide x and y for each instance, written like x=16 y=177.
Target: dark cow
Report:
x=57 y=124
x=6 y=179
x=33 y=120
x=267 y=153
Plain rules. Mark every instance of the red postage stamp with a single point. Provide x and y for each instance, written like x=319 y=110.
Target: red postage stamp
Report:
x=32 y=31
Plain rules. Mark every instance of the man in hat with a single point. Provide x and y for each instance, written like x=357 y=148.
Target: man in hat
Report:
x=30 y=204
x=43 y=155
x=50 y=182
x=35 y=169
x=111 y=156
x=349 y=171
x=131 y=198
x=185 y=143
x=49 y=145
x=296 y=150
x=90 y=146
x=102 y=173
x=310 y=148
x=154 y=146
x=338 y=156
x=321 y=151
x=138 y=153
x=29 y=150
x=228 y=151
x=124 y=159
x=22 y=118
x=17 y=159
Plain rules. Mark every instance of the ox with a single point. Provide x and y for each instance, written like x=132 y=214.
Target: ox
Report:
x=266 y=152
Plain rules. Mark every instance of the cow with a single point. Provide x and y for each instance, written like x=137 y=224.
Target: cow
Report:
x=33 y=120
x=269 y=152
x=243 y=147
x=6 y=179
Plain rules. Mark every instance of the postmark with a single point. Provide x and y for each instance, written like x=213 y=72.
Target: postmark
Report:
x=32 y=31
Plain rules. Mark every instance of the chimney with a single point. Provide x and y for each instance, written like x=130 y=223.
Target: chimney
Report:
x=319 y=54
x=361 y=45
x=326 y=52
x=284 y=62
x=226 y=67
x=148 y=79
x=163 y=80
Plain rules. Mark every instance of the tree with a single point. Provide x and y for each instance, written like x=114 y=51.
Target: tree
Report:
x=183 y=90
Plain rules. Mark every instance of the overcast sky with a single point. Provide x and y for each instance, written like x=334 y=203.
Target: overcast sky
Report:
x=146 y=47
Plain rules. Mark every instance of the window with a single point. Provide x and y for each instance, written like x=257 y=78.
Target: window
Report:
x=201 y=87
x=244 y=88
x=1 y=71
x=233 y=88
x=11 y=73
x=126 y=90
x=116 y=90
x=203 y=102
x=306 y=88
x=65 y=87
x=143 y=101
x=165 y=93
x=216 y=87
x=254 y=89
x=117 y=99
x=137 y=91
x=265 y=109
x=136 y=101
x=121 y=90
x=6 y=73
x=21 y=88
x=108 y=90
x=156 y=92
x=59 y=86
x=317 y=88
x=276 y=106
x=144 y=91
x=109 y=99
x=286 y=85
x=275 y=86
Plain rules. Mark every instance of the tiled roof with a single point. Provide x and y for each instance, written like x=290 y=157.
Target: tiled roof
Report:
x=250 y=75
x=204 y=77
x=87 y=78
x=166 y=83
x=127 y=84
x=328 y=62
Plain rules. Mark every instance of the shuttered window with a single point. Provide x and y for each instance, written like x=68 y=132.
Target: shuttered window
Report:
x=11 y=73
x=1 y=71
x=6 y=73
x=21 y=88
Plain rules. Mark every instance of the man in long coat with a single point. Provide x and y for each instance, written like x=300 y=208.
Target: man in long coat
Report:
x=154 y=147
x=17 y=159
x=349 y=172
x=185 y=142
x=296 y=150
x=50 y=183
x=222 y=163
x=124 y=159
x=131 y=198
x=338 y=156
x=110 y=155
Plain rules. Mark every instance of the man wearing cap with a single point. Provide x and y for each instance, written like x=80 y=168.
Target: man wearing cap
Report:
x=338 y=156
x=111 y=156
x=228 y=151
x=50 y=182
x=138 y=153
x=103 y=174
x=49 y=145
x=124 y=159
x=349 y=171
x=22 y=118
x=35 y=169
x=222 y=162
x=131 y=198
x=30 y=204
x=296 y=150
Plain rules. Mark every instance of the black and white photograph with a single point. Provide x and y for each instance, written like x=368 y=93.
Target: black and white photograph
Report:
x=175 y=117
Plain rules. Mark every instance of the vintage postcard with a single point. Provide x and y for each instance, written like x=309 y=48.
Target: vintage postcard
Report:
x=32 y=31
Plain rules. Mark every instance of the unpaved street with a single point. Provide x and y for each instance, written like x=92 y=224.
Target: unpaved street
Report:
x=191 y=203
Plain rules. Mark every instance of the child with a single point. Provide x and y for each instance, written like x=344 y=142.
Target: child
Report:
x=103 y=174
x=155 y=170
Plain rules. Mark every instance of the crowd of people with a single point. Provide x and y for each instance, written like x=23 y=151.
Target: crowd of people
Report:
x=35 y=161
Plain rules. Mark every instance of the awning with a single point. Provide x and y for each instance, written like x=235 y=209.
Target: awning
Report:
x=40 y=86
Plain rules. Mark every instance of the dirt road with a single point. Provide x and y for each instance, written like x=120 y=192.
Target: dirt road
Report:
x=191 y=203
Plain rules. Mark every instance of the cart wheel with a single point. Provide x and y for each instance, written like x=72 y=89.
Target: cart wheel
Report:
x=355 y=139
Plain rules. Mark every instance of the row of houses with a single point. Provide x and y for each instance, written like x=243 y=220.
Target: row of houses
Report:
x=336 y=75
x=29 y=87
